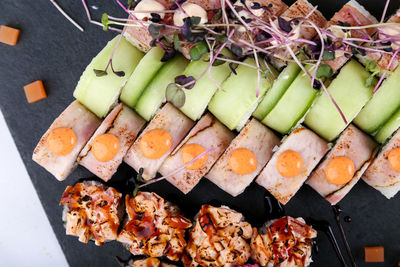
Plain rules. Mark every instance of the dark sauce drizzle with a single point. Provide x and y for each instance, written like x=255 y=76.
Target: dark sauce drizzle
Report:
x=325 y=227
x=337 y=210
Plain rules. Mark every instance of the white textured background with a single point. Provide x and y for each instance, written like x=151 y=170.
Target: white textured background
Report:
x=26 y=237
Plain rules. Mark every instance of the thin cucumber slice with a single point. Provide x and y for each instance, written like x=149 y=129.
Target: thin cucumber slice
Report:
x=281 y=84
x=100 y=94
x=142 y=75
x=388 y=128
x=381 y=106
x=154 y=94
x=293 y=104
x=237 y=99
x=350 y=93
x=200 y=95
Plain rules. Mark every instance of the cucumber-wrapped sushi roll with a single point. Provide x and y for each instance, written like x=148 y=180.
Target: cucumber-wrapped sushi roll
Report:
x=244 y=158
x=283 y=242
x=344 y=165
x=92 y=211
x=165 y=131
x=292 y=163
x=100 y=85
x=59 y=147
x=350 y=92
x=104 y=152
x=209 y=137
x=154 y=227
x=240 y=95
x=382 y=105
x=219 y=237
x=384 y=172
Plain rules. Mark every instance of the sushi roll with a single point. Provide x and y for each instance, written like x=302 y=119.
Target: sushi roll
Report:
x=165 y=131
x=351 y=14
x=292 y=163
x=92 y=211
x=207 y=135
x=219 y=237
x=302 y=30
x=104 y=152
x=154 y=227
x=384 y=172
x=240 y=94
x=384 y=60
x=59 y=147
x=283 y=242
x=245 y=157
x=344 y=165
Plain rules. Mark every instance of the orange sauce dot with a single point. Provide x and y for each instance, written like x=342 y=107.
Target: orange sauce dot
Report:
x=189 y=152
x=155 y=143
x=340 y=170
x=289 y=163
x=394 y=159
x=61 y=141
x=105 y=147
x=242 y=161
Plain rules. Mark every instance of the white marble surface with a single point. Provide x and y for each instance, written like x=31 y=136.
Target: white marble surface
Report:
x=26 y=237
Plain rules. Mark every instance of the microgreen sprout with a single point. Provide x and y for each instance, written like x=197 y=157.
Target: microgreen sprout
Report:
x=67 y=16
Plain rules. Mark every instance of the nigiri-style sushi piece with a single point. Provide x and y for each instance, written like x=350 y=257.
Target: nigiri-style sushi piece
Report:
x=92 y=211
x=165 y=131
x=104 y=152
x=292 y=163
x=207 y=135
x=220 y=237
x=154 y=227
x=344 y=165
x=244 y=158
x=351 y=14
x=384 y=172
x=283 y=242
x=59 y=147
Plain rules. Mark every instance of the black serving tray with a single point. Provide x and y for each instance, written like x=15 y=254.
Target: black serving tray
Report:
x=53 y=50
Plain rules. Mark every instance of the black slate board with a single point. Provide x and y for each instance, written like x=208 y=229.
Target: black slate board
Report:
x=53 y=50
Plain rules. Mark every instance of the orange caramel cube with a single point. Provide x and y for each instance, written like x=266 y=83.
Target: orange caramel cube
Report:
x=374 y=254
x=35 y=91
x=8 y=35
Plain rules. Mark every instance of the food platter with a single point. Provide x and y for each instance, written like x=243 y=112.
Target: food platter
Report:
x=54 y=51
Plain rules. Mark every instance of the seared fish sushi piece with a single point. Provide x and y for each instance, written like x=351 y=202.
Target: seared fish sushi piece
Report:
x=245 y=157
x=284 y=242
x=165 y=131
x=154 y=227
x=384 y=60
x=92 y=211
x=59 y=147
x=208 y=136
x=220 y=237
x=292 y=163
x=344 y=165
x=384 y=172
x=302 y=30
x=351 y=14
x=105 y=150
